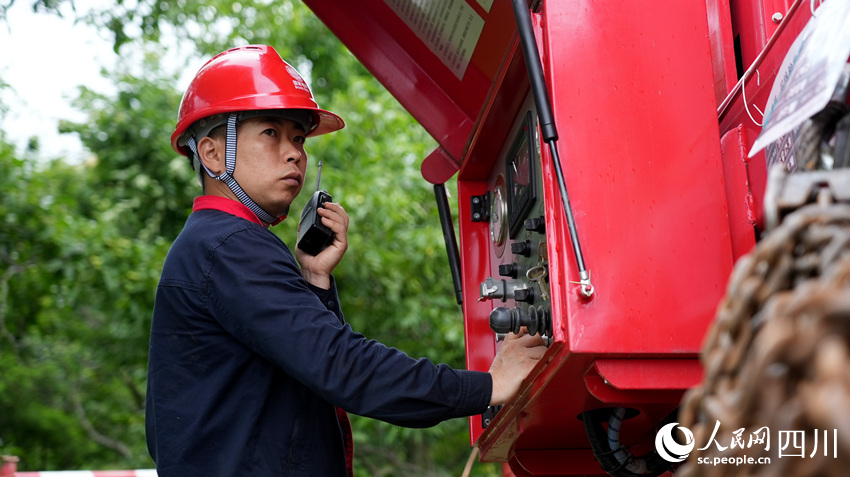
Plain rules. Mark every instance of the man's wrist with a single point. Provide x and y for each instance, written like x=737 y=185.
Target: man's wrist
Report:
x=318 y=280
x=495 y=398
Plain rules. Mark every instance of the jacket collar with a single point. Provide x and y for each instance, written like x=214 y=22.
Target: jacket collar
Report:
x=230 y=206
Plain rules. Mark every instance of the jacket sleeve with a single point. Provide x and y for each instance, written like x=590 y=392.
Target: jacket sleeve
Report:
x=329 y=298
x=256 y=291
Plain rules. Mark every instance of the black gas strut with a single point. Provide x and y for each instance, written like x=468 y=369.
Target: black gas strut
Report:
x=449 y=236
x=547 y=126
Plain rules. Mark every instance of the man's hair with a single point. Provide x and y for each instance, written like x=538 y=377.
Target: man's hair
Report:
x=218 y=133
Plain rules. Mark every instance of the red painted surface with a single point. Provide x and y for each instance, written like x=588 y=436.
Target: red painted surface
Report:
x=742 y=217
x=653 y=142
x=722 y=47
x=646 y=184
x=733 y=115
x=446 y=106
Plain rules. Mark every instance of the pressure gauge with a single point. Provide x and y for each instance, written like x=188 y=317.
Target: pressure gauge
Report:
x=499 y=216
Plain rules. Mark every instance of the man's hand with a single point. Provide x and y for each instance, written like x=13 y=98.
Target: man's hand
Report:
x=516 y=357
x=317 y=269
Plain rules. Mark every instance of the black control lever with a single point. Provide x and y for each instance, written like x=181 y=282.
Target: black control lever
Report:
x=510 y=320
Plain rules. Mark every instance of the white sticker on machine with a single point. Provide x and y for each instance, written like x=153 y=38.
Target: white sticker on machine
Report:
x=450 y=28
x=486 y=4
x=808 y=75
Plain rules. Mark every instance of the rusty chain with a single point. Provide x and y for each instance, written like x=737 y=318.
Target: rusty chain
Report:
x=778 y=353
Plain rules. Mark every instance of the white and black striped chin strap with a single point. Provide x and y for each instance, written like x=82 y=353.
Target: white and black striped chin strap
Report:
x=227 y=175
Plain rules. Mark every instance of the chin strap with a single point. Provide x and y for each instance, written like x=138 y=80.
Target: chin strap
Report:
x=227 y=175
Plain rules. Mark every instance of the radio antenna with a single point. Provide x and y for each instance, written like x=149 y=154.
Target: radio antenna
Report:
x=319 y=176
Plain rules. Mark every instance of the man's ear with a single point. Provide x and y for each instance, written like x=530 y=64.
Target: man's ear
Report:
x=211 y=152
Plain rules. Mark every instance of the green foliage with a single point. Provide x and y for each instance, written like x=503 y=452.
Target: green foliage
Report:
x=82 y=245
x=130 y=133
x=74 y=312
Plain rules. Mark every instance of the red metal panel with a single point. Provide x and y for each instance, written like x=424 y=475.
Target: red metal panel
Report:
x=754 y=22
x=732 y=114
x=509 y=91
x=773 y=12
x=642 y=374
x=639 y=144
x=480 y=342
x=643 y=168
x=663 y=206
x=742 y=218
x=438 y=167
x=447 y=106
x=749 y=28
x=722 y=47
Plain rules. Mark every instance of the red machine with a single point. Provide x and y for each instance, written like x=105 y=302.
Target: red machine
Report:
x=622 y=265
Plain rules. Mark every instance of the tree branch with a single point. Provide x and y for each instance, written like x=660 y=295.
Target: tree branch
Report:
x=101 y=439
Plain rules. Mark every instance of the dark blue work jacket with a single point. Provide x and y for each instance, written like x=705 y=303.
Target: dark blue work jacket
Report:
x=247 y=362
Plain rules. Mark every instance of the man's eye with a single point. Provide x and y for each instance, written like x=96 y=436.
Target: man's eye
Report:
x=270 y=132
x=300 y=139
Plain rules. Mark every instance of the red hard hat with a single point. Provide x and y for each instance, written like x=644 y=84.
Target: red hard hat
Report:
x=248 y=78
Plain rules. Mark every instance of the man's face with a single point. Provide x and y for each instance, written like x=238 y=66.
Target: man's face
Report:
x=270 y=161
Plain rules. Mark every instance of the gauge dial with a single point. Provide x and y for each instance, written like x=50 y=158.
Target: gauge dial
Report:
x=499 y=216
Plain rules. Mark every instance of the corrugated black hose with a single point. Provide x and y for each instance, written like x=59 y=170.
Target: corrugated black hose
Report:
x=598 y=437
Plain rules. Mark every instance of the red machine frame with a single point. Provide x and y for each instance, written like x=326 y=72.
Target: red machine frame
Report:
x=654 y=134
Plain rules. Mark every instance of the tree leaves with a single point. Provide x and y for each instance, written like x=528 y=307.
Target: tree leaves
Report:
x=82 y=245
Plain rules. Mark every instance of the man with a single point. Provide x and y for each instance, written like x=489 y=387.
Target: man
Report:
x=251 y=364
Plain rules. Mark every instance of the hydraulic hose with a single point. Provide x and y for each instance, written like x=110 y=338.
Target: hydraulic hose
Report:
x=638 y=466
x=607 y=457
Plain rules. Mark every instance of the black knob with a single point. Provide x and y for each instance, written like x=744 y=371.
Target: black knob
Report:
x=502 y=320
x=521 y=248
x=524 y=294
x=537 y=224
x=508 y=270
x=539 y=321
x=533 y=321
x=510 y=320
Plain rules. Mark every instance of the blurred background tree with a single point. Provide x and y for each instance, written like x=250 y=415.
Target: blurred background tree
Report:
x=82 y=245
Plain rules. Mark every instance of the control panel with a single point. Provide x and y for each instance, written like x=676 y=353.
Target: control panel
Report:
x=513 y=206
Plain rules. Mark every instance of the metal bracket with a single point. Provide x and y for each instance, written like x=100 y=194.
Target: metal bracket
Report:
x=489 y=415
x=480 y=206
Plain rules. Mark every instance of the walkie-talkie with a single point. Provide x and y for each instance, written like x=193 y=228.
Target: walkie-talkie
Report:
x=313 y=236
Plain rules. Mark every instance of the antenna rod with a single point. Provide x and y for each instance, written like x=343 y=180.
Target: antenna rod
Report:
x=319 y=176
